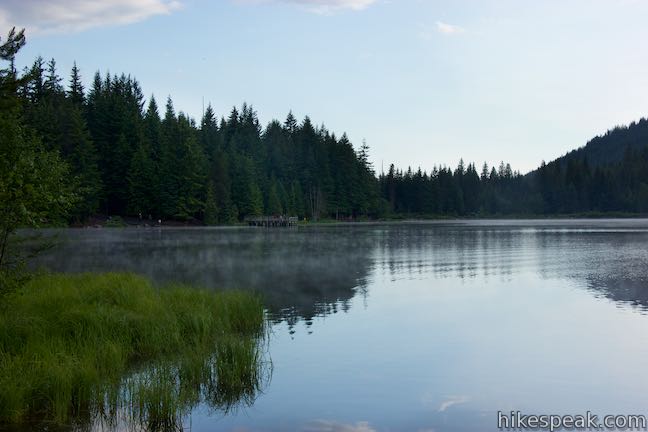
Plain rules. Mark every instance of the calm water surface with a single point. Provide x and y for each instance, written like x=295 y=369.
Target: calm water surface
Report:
x=416 y=326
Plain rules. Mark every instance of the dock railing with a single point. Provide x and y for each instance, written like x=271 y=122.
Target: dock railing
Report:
x=272 y=221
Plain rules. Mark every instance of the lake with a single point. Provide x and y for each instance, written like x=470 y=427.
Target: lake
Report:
x=431 y=326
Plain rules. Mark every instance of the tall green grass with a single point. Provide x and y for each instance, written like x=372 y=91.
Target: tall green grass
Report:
x=112 y=348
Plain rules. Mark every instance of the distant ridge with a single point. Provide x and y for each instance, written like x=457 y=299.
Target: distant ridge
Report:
x=611 y=147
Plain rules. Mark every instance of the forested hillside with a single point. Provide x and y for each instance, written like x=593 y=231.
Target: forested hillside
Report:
x=608 y=174
x=611 y=147
x=130 y=157
x=568 y=185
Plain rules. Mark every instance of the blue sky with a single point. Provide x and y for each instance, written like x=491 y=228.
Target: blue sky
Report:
x=424 y=82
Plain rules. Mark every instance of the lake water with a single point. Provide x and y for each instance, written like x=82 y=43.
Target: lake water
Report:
x=415 y=326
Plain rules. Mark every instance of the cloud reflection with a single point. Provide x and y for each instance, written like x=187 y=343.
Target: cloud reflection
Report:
x=333 y=426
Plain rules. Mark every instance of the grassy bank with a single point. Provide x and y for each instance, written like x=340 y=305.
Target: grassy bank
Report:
x=79 y=346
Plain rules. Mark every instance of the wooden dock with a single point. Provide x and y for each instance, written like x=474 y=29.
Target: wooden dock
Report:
x=272 y=221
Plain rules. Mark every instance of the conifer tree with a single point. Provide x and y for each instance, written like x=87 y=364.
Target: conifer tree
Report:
x=76 y=93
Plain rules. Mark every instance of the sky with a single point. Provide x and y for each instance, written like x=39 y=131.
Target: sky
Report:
x=424 y=82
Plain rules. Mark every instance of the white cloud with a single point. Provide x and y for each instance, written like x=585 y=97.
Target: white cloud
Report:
x=448 y=29
x=66 y=16
x=321 y=6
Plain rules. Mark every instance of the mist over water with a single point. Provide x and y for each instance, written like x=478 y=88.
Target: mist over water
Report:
x=415 y=326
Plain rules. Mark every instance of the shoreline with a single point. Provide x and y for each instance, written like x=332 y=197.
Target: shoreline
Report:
x=129 y=223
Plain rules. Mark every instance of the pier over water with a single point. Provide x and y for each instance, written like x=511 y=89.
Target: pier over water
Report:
x=272 y=221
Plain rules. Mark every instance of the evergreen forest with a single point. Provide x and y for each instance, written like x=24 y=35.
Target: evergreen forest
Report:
x=128 y=155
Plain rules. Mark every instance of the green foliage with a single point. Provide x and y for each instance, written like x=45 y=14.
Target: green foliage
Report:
x=76 y=93
x=141 y=185
x=114 y=118
x=183 y=168
x=34 y=182
x=211 y=210
x=254 y=203
x=111 y=343
x=9 y=81
x=274 y=206
x=245 y=190
x=81 y=155
x=297 y=206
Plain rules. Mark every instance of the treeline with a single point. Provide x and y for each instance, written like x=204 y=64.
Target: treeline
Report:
x=459 y=192
x=128 y=157
x=568 y=185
